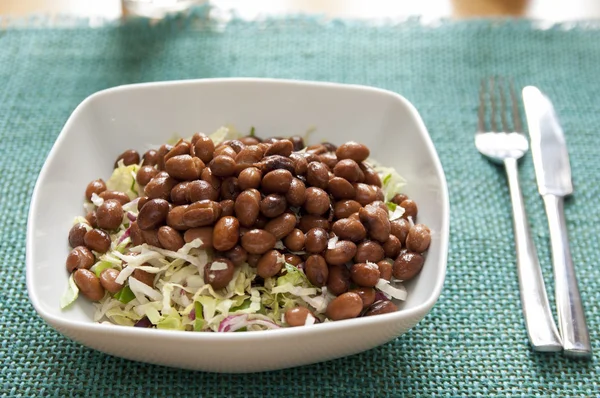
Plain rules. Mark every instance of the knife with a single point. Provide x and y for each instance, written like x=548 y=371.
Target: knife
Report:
x=553 y=174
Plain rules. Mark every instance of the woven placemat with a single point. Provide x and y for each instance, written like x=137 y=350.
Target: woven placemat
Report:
x=473 y=343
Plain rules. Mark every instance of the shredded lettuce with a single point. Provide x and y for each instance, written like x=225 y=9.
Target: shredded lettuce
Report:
x=391 y=180
x=123 y=180
x=70 y=295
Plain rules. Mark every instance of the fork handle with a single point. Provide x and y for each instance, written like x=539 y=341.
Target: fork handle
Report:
x=541 y=329
x=571 y=318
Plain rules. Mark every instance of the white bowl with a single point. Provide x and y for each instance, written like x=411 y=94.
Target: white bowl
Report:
x=146 y=115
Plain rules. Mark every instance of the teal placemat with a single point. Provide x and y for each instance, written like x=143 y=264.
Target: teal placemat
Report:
x=473 y=343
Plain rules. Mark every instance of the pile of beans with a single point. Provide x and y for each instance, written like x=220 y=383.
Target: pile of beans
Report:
x=241 y=197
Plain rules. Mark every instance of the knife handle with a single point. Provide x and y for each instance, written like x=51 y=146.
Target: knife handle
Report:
x=541 y=329
x=571 y=318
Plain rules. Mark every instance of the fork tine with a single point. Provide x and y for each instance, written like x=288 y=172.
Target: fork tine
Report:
x=515 y=107
x=502 y=105
x=481 y=113
x=493 y=105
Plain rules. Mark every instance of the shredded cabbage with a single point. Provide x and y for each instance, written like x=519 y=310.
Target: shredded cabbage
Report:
x=70 y=295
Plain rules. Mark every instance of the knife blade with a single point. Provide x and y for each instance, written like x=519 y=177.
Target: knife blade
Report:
x=553 y=175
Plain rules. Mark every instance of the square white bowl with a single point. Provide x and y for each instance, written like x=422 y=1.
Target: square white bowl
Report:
x=144 y=116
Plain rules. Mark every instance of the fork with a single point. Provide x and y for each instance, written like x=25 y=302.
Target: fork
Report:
x=507 y=147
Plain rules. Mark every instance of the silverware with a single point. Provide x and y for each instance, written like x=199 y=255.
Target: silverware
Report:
x=506 y=147
x=553 y=174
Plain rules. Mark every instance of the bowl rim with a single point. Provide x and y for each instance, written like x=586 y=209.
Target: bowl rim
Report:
x=421 y=310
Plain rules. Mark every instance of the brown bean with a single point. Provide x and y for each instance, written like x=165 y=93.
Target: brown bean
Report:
x=230 y=189
x=316 y=240
x=128 y=157
x=201 y=214
x=317 y=149
x=145 y=277
x=250 y=140
x=410 y=209
x=273 y=205
x=349 y=170
x=222 y=166
x=352 y=150
x=367 y=295
x=97 y=240
x=169 y=238
x=219 y=272
x=227 y=207
x=253 y=259
x=381 y=307
x=181 y=148
x=76 y=235
x=135 y=233
x=329 y=159
x=179 y=193
x=309 y=221
x=407 y=265
x=399 y=198
x=296 y=195
x=298 y=142
x=145 y=174
x=365 y=194
x=385 y=269
x=162 y=151
x=392 y=246
x=258 y=241
x=339 y=279
x=153 y=214
x=208 y=176
x=376 y=222
x=371 y=176
x=340 y=188
x=277 y=181
x=88 y=284
x=293 y=259
x=399 y=228
x=141 y=202
x=249 y=178
x=343 y=252
x=365 y=274
x=345 y=208
x=369 y=251
x=300 y=164
x=280 y=147
x=120 y=197
x=226 y=233
x=150 y=158
x=236 y=145
x=345 y=306
x=248 y=156
x=380 y=204
x=203 y=147
x=80 y=258
x=247 y=207
x=151 y=237
x=109 y=215
x=297 y=316
x=261 y=222
x=354 y=216
x=316 y=270
x=270 y=264
x=281 y=226
x=199 y=190
x=349 y=229
x=317 y=175
x=224 y=150
x=205 y=234
x=184 y=167
x=175 y=218
x=317 y=201
x=238 y=255
x=95 y=187
x=294 y=241
x=107 y=280
x=160 y=187
x=91 y=219
x=418 y=238
x=275 y=162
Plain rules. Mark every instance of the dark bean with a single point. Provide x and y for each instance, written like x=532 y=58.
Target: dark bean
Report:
x=203 y=147
x=349 y=170
x=345 y=306
x=344 y=208
x=237 y=255
x=250 y=140
x=316 y=270
x=410 y=209
x=275 y=162
x=392 y=246
x=280 y=147
x=418 y=238
x=298 y=142
x=381 y=307
x=294 y=241
x=369 y=251
x=281 y=226
x=247 y=207
x=80 y=258
x=297 y=316
x=120 y=197
x=145 y=277
x=253 y=259
x=367 y=295
x=277 y=181
x=300 y=164
x=175 y=218
x=76 y=235
x=343 y=252
x=376 y=222
x=293 y=259
x=365 y=274
x=219 y=272
x=88 y=284
x=309 y=221
x=385 y=269
x=399 y=198
x=317 y=201
x=317 y=175
x=145 y=174
x=339 y=279
x=365 y=194
x=371 y=176
x=208 y=176
x=201 y=214
x=107 y=280
x=95 y=187
x=230 y=189
x=352 y=150
x=135 y=233
x=273 y=205
x=160 y=187
x=153 y=214
x=162 y=151
x=97 y=240
x=258 y=241
x=249 y=178
x=205 y=234
x=316 y=240
x=261 y=222
x=296 y=195
x=151 y=237
x=349 y=229
x=226 y=233
x=399 y=228
x=407 y=265
x=128 y=157
x=169 y=238
x=109 y=215
x=91 y=219
x=150 y=158
x=269 y=264
x=141 y=202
